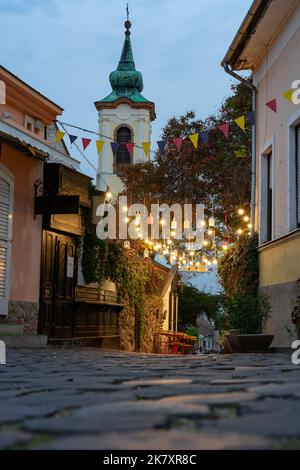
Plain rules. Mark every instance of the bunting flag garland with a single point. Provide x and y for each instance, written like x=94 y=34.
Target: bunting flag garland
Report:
x=241 y=122
x=129 y=146
x=251 y=117
x=85 y=142
x=161 y=145
x=72 y=138
x=272 y=105
x=59 y=136
x=99 y=146
x=194 y=139
x=288 y=95
x=178 y=142
x=146 y=147
x=114 y=147
x=224 y=128
x=205 y=136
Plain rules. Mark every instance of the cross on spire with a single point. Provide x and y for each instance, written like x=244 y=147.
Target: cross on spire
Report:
x=127 y=11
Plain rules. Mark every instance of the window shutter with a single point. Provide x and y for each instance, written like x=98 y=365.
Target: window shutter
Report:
x=5 y=235
x=298 y=174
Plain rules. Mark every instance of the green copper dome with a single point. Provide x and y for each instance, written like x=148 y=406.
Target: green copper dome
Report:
x=126 y=81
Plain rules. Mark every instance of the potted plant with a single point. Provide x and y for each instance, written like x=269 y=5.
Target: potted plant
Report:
x=245 y=310
x=296 y=312
x=247 y=316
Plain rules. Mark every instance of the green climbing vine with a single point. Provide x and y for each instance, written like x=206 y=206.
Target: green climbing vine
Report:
x=133 y=275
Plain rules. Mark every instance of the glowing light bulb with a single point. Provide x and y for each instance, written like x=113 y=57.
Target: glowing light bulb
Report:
x=108 y=194
x=210 y=232
x=126 y=219
x=239 y=231
x=202 y=223
x=173 y=233
x=215 y=262
x=162 y=222
x=246 y=218
x=249 y=225
x=225 y=247
x=241 y=211
x=125 y=209
x=169 y=242
x=205 y=243
x=192 y=253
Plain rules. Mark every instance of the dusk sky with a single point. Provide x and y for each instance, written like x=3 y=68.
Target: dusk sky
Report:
x=66 y=49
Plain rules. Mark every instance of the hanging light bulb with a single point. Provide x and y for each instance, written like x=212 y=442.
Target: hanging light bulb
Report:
x=225 y=247
x=205 y=243
x=208 y=263
x=150 y=219
x=108 y=194
x=173 y=224
x=241 y=211
x=202 y=223
x=210 y=232
x=192 y=253
x=249 y=225
x=126 y=219
x=169 y=242
x=173 y=233
x=211 y=222
x=215 y=261
x=246 y=218
x=125 y=209
x=239 y=231
x=150 y=243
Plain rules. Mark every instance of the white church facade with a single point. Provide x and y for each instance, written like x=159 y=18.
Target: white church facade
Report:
x=124 y=117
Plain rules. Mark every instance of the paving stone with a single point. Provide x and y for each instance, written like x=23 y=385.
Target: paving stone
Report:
x=284 y=390
x=12 y=438
x=149 y=440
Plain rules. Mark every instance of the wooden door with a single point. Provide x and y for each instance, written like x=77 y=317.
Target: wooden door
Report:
x=57 y=285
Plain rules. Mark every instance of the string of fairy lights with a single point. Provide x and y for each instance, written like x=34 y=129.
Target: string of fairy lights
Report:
x=187 y=254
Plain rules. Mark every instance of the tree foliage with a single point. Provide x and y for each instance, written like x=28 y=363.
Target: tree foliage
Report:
x=193 y=302
x=209 y=173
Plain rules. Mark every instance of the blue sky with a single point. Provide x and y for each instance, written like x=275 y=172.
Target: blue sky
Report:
x=66 y=49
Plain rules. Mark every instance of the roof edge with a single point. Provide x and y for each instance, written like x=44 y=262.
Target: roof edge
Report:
x=250 y=22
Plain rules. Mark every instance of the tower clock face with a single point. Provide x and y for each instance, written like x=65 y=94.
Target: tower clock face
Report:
x=124 y=111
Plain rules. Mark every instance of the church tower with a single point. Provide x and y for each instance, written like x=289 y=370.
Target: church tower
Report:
x=124 y=117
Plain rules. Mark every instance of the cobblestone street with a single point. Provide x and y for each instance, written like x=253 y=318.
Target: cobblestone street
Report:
x=91 y=399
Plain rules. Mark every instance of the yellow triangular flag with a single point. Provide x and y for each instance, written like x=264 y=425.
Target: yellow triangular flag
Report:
x=146 y=147
x=99 y=145
x=194 y=139
x=59 y=136
x=288 y=95
x=241 y=122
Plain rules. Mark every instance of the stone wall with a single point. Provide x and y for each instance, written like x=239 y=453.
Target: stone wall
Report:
x=21 y=312
x=149 y=343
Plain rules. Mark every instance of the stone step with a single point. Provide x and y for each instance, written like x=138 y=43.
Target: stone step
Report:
x=24 y=341
x=12 y=329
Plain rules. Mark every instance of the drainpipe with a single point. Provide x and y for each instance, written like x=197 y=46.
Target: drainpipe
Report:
x=225 y=66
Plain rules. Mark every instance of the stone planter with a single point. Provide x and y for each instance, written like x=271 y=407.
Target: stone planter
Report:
x=258 y=343
x=254 y=343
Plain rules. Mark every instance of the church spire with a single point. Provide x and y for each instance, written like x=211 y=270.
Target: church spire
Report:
x=126 y=80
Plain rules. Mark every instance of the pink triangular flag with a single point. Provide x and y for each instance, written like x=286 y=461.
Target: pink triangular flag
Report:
x=178 y=141
x=85 y=142
x=224 y=128
x=129 y=146
x=272 y=105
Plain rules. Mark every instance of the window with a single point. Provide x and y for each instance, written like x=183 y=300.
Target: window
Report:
x=297 y=161
x=6 y=198
x=122 y=154
x=267 y=193
x=269 y=197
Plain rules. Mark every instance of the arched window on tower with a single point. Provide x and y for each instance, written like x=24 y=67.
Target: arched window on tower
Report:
x=123 y=136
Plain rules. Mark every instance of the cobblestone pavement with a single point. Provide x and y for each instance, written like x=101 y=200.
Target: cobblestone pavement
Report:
x=91 y=399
